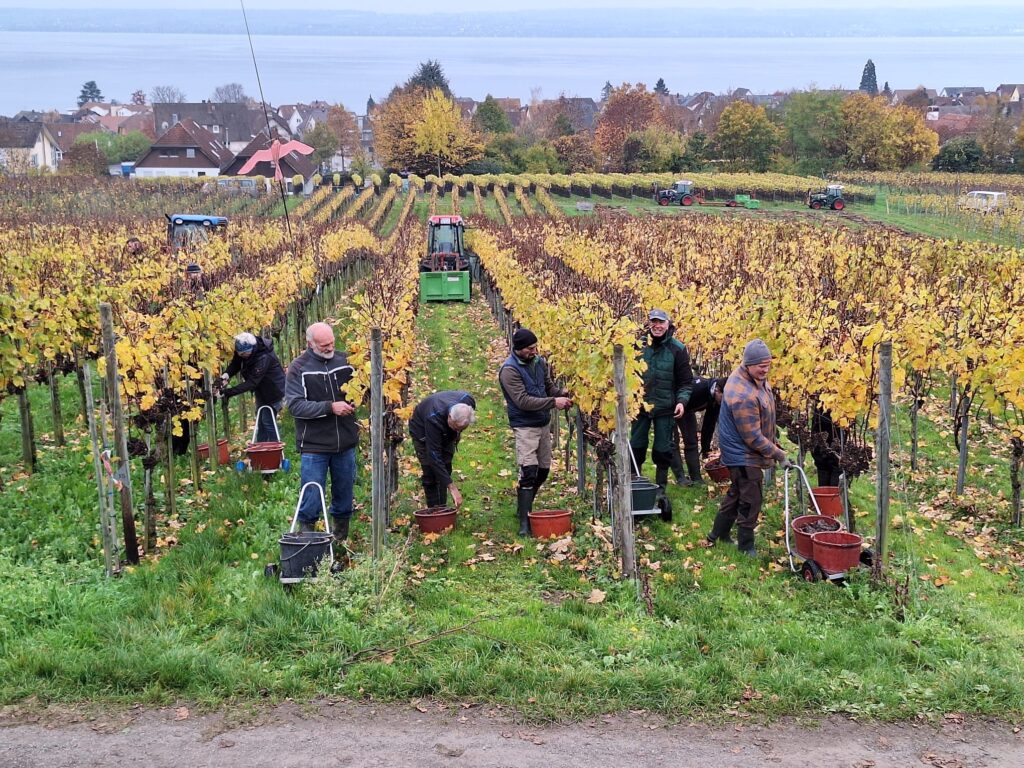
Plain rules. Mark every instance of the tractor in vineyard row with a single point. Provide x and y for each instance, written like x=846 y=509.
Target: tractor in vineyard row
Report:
x=189 y=229
x=832 y=198
x=445 y=270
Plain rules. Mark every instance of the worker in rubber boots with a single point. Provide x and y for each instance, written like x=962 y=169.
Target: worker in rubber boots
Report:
x=436 y=425
x=262 y=374
x=746 y=435
x=668 y=380
x=530 y=394
x=326 y=430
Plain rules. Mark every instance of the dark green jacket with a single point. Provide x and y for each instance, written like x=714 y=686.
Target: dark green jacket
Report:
x=668 y=378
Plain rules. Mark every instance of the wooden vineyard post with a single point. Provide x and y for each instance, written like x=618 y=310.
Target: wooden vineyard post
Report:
x=58 y=421
x=962 y=424
x=379 y=493
x=1016 y=459
x=211 y=423
x=623 y=509
x=28 y=444
x=882 y=455
x=581 y=455
x=170 y=486
x=225 y=415
x=193 y=441
x=131 y=544
x=108 y=528
x=149 y=521
x=80 y=376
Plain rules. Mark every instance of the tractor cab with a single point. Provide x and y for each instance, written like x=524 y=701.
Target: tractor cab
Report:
x=832 y=198
x=445 y=269
x=680 y=193
x=186 y=230
x=446 y=248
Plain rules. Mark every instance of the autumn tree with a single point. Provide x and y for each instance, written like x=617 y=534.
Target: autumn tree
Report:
x=812 y=126
x=629 y=109
x=917 y=99
x=653 y=149
x=576 y=153
x=84 y=159
x=543 y=158
x=491 y=118
x=90 y=92
x=139 y=97
x=441 y=133
x=394 y=124
x=696 y=153
x=427 y=77
x=993 y=128
x=166 y=94
x=117 y=147
x=745 y=137
x=879 y=137
x=345 y=129
x=868 y=79
x=230 y=93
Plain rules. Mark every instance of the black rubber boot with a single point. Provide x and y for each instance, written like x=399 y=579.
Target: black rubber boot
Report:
x=720 y=531
x=542 y=475
x=745 y=542
x=339 y=528
x=693 y=467
x=661 y=477
x=524 y=507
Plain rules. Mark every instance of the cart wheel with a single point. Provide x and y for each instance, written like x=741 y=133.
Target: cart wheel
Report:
x=286 y=464
x=666 y=508
x=810 y=571
x=270 y=570
x=867 y=558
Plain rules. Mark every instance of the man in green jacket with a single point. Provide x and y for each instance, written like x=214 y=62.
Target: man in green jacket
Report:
x=668 y=380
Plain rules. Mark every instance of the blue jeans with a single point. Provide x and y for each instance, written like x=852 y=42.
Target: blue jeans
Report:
x=343 y=477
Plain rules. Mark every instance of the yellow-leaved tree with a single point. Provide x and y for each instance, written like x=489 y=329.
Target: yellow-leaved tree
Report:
x=443 y=135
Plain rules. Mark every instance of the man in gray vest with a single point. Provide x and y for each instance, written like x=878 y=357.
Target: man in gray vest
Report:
x=530 y=394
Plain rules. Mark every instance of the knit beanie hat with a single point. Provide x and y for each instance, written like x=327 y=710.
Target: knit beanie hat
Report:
x=245 y=342
x=522 y=339
x=756 y=352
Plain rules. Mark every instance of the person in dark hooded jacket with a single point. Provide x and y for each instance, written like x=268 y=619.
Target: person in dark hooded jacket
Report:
x=262 y=374
x=668 y=381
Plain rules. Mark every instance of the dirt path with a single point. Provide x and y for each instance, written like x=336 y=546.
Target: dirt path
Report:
x=427 y=735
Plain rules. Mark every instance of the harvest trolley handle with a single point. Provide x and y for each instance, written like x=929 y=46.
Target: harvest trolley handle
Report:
x=786 y=517
x=277 y=432
x=323 y=507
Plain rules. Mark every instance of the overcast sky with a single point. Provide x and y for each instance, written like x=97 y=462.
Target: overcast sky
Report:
x=459 y=6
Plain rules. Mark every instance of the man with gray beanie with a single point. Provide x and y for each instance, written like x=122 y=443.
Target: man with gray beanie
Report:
x=746 y=435
x=530 y=394
x=262 y=374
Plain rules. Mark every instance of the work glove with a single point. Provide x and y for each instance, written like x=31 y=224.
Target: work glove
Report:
x=787 y=463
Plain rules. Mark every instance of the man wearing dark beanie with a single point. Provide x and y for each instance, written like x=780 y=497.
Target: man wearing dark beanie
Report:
x=530 y=394
x=746 y=435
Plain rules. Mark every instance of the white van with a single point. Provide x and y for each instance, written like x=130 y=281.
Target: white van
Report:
x=984 y=201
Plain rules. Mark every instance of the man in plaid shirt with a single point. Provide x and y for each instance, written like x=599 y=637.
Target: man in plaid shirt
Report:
x=746 y=435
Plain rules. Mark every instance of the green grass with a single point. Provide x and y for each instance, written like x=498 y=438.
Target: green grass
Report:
x=726 y=634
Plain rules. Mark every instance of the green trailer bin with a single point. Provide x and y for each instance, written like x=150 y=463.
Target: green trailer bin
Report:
x=752 y=204
x=741 y=198
x=444 y=286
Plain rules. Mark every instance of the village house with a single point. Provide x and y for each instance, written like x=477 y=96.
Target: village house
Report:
x=233 y=125
x=186 y=149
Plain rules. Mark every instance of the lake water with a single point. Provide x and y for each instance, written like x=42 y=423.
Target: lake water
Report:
x=46 y=70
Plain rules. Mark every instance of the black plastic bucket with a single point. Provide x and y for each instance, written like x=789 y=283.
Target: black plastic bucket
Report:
x=301 y=552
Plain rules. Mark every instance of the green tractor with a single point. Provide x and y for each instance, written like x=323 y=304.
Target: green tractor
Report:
x=832 y=198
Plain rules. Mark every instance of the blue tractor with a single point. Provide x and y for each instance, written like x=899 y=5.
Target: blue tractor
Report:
x=190 y=229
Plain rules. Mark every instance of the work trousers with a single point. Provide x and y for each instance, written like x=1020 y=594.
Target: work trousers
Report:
x=741 y=505
x=639 y=439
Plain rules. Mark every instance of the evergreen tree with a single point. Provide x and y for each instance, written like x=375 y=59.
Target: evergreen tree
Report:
x=90 y=92
x=491 y=118
x=887 y=91
x=607 y=90
x=868 y=80
x=370 y=104
x=428 y=77
x=660 y=87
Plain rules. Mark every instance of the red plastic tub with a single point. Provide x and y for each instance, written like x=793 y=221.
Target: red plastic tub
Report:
x=829 y=501
x=222 y=451
x=717 y=471
x=803 y=544
x=265 y=456
x=545 y=523
x=836 y=552
x=435 y=519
